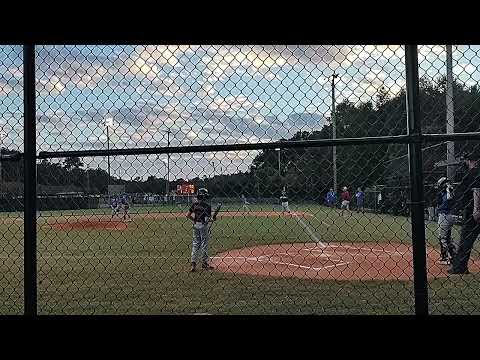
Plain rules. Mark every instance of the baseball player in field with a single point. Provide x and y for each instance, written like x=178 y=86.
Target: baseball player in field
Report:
x=284 y=201
x=126 y=207
x=115 y=206
x=245 y=203
x=360 y=197
x=346 y=198
x=201 y=214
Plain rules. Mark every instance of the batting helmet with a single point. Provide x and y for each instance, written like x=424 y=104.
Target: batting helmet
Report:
x=202 y=194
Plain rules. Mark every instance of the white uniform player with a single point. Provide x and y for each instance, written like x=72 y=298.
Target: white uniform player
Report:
x=115 y=205
x=284 y=201
x=245 y=203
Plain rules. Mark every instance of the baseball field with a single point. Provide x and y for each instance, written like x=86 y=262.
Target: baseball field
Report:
x=312 y=261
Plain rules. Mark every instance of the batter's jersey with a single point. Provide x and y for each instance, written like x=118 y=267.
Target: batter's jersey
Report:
x=202 y=211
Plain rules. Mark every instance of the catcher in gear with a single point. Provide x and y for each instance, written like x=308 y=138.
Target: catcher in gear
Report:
x=201 y=214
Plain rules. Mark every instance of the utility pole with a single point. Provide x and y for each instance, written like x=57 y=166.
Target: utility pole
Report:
x=167 y=185
x=168 y=162
x=279 y=162
x=450 y=116
x=2 y=137
x=108 y=123
x=88 y=181
x=334 y=128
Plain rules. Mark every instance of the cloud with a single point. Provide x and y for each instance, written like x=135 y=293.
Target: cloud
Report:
x=148 y=59
x=5 y=89
x=11 y=81
x=234 y=104
x=53 y=86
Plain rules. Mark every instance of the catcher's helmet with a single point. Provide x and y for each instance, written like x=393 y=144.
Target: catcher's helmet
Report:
x=202 y=194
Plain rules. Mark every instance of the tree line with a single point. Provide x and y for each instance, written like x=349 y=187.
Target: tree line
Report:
x=306 y=173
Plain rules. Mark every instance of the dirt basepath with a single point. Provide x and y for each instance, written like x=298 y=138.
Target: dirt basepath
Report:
x=99 y=221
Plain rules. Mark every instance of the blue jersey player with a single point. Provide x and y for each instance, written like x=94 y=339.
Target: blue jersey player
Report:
x=115 y=205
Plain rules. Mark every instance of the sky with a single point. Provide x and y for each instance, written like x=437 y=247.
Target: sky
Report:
x=201 y=94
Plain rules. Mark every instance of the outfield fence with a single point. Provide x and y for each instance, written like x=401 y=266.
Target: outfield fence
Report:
x=321 y=163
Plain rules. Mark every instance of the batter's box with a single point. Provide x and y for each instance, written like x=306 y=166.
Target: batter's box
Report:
x=315 y=263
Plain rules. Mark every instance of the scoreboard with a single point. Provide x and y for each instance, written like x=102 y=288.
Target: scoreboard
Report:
x=184 y=189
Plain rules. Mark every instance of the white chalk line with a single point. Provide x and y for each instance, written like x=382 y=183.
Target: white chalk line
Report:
x=309 y=230
x=329 y=256
x=97 y=256
x=338 y=262
x=303 y=266
x=369 y=255
x=323 y=222
x=306 y=267
x=268 y=259
x=369 y=249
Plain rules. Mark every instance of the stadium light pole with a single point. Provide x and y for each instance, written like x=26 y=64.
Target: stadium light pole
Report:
x=167 y=184
x=334 y=133
x=450 y=115
x=168 y=132
x=108 y=123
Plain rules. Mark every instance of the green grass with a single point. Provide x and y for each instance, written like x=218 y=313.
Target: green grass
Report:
x=144 y=269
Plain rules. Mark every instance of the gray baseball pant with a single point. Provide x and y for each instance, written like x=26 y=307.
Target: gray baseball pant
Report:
x=445 y=224
x=200 y=243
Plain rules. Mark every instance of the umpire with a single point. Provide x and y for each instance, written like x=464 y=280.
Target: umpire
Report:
x=464 y=204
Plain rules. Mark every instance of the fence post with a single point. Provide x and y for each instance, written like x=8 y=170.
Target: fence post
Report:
x=30 y=183
x=416 y=181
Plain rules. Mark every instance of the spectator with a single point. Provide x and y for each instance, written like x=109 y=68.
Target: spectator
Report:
x=360 y=197
x=331 y=198
x=346 y=198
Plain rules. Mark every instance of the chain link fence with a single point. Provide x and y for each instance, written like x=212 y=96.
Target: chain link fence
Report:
x=11 y=187
x=308 y=154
